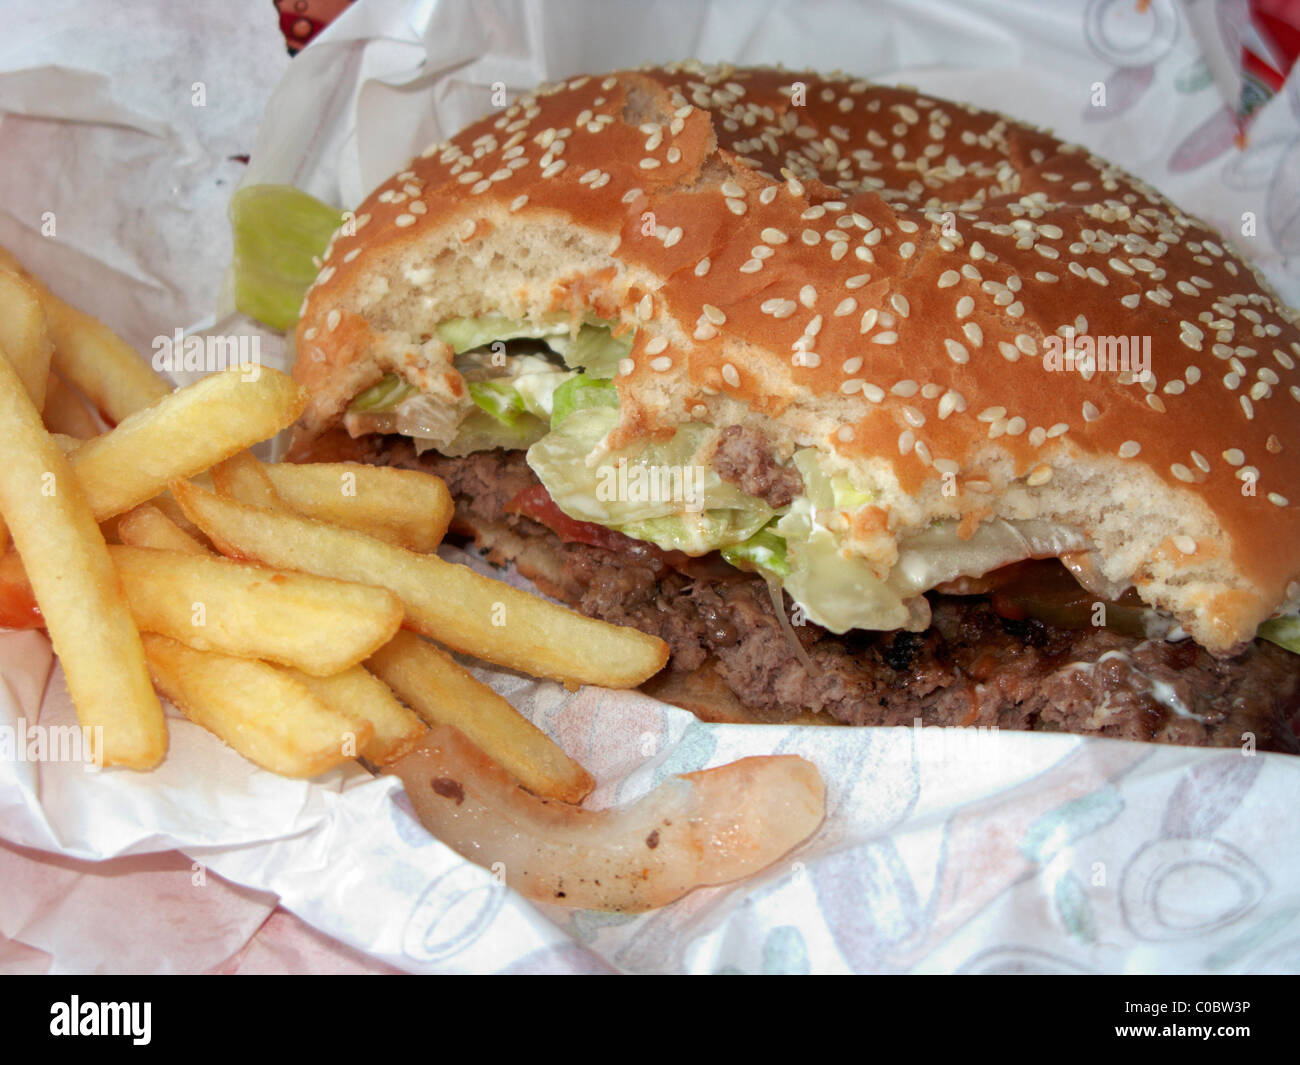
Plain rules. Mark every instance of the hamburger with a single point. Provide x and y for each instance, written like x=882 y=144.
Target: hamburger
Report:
x=878 y=408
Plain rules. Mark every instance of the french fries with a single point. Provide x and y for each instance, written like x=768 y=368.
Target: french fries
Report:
x=76 y=586
x=65 y=412
x=358 y=693
x=259 y=710
x=440 y=691
x=133 y=462
x=24 y=335
x=315 y=624
x=147 y=526
x=242 y=478
x=91 y=356
x=404 y=507
x=458 y=607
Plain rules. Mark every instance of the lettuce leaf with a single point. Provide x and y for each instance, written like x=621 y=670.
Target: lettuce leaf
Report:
x=1285 y=632
x=277 y=230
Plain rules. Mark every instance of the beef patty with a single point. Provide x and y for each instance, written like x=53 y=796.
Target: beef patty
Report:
x=971 y=667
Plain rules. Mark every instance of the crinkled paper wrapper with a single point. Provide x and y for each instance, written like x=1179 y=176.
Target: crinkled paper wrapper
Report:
x=941 y=852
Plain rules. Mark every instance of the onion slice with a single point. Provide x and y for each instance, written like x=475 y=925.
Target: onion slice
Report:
x=698 y=829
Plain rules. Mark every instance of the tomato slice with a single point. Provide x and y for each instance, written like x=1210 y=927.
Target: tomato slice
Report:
x=18 y=609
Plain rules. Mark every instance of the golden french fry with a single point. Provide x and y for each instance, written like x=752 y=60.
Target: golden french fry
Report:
x=358 y=693
x=404 y=507
x=89 y=355
x=210 y=603
x=76 y=586
x=440 y=691
x=24 y=335
x=458 y=607
x=315 y=624
x=66 y=412
x=148 y=526
x=258 y=709
x=242 y=478
x=181 y=434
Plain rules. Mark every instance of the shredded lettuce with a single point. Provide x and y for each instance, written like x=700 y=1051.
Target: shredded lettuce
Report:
x=384 y=396
x=499 y=399
x=764 y=551
x=580 y=392
x=465 y=334
x=277 y=231
x=1285 y=632
x=656 y=491
x=698 y=534
x=597 y=351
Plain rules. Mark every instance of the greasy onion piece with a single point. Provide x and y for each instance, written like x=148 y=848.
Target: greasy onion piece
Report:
x=698 y=829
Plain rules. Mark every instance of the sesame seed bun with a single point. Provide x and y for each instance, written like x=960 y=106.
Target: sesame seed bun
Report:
x=874 y=273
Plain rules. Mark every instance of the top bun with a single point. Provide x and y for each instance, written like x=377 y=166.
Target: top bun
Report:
x=875 y=273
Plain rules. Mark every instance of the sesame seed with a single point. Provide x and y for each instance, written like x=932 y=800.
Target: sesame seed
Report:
x=1182 y=472
x=905 y=388
x=730 y=188
x=674 y=235
x=913 y=416
x=906 y=441
x=869 y=317
x=674 y=155
x=466 y=229
x=646 y=164
x=656 y=345
x=1129 y=449
x=1201 y=461
x=808 y=295
x=704 y=331
x=899 y=302
x=846 y=307
x=730 y=375
x=332 y=320
x=1090 y=411
x=1185 y=544
x=964 y=306
x=949 y=278
x=556 y=167
x=404 y=220
x=853 y=365
x=1040 y=476
x=906 y=250
x=645 y=307
x=1059 y=429
x=625 y=367
x=853 y=384
x=1234 y=456
x=1016 y=426
x=887 y=337
x=734 y=205
x=957 y=352
x=1278 y=500
x=973 y=333
x=771 y=235
x=714 y=314
x=873 y=392
x=661 y=364
x=702 y=267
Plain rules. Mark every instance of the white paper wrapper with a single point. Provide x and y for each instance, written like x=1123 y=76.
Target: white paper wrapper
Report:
x=940 y=853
